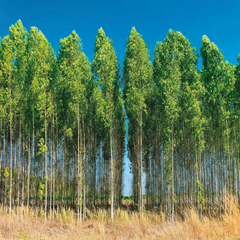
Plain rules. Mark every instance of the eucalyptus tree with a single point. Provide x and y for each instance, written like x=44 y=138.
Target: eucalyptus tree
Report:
x=41 y=56
x=236 y=104
x=105 y=67
x=8 y=57
x=137 y=80
x=75 y=72
x=191 y=118
x=218 y=78
x=192 y=121
x=19 y=35
x=3 y=114
x=94 y=125
x=119 y=122
x=53 y=89
x=167 y=78
x=97 y=108
x=178 y=93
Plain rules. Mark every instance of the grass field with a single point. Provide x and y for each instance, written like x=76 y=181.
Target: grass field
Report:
x=29 y=224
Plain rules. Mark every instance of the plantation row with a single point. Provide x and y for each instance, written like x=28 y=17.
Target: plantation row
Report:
x=63 y=124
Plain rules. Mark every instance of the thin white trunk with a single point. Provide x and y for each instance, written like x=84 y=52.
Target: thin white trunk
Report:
x=11 y=157
x=78 y=169
x=46 y=173
x=29 y=163
x=172 y=176
x=112 y=183
x=140 y=187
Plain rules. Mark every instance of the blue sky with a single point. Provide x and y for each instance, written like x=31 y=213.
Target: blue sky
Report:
x=219 y=20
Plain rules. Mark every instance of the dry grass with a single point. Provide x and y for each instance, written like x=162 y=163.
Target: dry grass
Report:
x=31 y=225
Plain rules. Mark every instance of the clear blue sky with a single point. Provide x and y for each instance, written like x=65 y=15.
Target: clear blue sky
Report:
x=219 y=20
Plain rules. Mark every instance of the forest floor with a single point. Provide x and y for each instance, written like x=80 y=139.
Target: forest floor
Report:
x=31 y=225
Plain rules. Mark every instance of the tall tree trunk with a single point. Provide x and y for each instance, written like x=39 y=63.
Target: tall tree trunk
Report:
x=112 y=175
x=11 y=157
x=33 y=149
x=19 y=162
x=57 y=175
x=141 y=154
x=45 y=154
x=50 y=177
x=53 y=170
x=23 y=166
x=85 y=169
x=172 y=176
x=78 y=167
x=229 y=161
x=29 y=163
x=1 y=159
x=5 y=164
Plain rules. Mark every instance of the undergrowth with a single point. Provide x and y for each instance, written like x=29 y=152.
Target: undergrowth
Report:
x=28 y=223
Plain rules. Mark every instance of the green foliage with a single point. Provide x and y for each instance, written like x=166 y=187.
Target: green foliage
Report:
x=137 y=75
x=42 y=147
x=183 y=123
x=127 y=198
x=73 y=65
x=7 y=173
x=69 y=133
x=41 y=190
x=105 y=67
x=200 y=196
x=218 y=79
x=23 y=235
x=137 y=87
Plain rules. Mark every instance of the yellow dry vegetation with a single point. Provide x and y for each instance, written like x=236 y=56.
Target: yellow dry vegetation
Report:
x=29 y=224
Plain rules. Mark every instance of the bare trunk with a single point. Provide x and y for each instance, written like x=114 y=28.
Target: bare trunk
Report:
x=23 y=167
x=53 y=170
x=45 y=154
x=33 y=149
x=172 y=176
x=29 y=162
x=84 y=159
x=57 y=175
x=50 y=177
x=140 y=185
x=11 y=157
x=229 y=163
x=112 y=183
x=1 y=158
x=19 y=161
x=78 y=170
